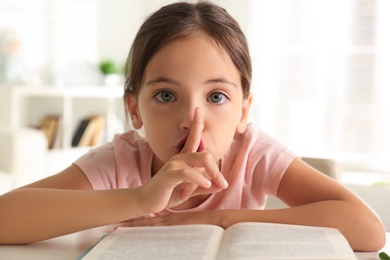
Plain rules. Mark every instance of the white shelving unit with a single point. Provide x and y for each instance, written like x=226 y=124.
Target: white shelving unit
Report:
x=24 y=107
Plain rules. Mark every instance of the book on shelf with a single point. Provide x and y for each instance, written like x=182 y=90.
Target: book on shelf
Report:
x=50 y=126
x=89 y=132
x=57 y=143
x=247 y=240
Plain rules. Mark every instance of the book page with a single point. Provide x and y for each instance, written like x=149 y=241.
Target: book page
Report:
x=280 y=241
x=187 y=242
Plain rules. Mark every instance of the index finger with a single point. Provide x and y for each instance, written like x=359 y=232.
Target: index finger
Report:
x=195 y=135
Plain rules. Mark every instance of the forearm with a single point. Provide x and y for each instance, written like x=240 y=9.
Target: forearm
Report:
x=362 y=228
x=29 y=215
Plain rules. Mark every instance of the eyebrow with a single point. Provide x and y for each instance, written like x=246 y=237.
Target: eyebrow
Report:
x=221 y=80
x=162 y=79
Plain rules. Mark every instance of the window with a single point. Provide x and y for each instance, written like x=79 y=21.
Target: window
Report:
x=59 y=38
x=320 y=78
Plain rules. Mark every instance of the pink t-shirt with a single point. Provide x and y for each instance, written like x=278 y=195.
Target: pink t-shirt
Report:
x=253 y=167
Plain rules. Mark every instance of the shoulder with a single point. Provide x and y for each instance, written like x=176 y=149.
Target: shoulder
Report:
x=109 y=165
x=255 y=148
x=126 y=142
x=257 y=161
x=131 y=138
x=257 y=141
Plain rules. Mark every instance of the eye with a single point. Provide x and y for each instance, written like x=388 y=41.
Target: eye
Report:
x=165 y=96
x=217 y=98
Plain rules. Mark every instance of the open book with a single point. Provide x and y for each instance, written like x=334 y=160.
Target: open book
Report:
x=240 y=241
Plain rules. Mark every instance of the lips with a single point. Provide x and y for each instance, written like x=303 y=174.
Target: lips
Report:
x=182 y=141
x=180 y=144
x=201 y=147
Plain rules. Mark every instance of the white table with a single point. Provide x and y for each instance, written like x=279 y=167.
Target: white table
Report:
x=68 y=247
x=74 y=245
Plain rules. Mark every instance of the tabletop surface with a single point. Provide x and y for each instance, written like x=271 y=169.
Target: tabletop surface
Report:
x=73 y=246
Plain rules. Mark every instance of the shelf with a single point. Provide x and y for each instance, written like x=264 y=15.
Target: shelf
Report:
x=26 y=107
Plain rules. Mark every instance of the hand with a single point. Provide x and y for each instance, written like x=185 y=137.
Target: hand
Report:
x=186 y=174
x=215 y=217
x=223 y=218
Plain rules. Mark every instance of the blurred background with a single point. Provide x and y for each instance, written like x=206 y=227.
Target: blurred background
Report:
x=321 y=67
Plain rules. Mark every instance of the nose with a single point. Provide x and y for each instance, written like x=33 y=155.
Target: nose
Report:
x=190 y=115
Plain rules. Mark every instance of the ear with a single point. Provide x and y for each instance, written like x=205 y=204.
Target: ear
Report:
x=132 y=108
x=246 y=105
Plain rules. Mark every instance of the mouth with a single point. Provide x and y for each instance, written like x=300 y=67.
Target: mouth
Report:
x=181 y=143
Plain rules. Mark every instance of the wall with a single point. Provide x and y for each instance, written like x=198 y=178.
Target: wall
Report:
x=118 y=23
x=120 y=20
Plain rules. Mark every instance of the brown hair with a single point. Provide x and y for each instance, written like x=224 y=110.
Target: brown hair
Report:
x=181 y=20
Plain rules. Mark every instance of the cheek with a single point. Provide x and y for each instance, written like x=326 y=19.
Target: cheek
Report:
x=222 y=131
x=228 y=118
x=221 y=144
x=157 y=121
x=157 y=138
x=157 y=127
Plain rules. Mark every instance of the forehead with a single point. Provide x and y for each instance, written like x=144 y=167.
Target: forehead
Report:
x=191 y=53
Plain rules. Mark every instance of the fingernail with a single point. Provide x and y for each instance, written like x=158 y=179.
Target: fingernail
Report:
x=225 y=184
x=207 y=183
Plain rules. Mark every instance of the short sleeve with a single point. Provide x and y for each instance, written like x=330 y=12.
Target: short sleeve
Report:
x=99 y=166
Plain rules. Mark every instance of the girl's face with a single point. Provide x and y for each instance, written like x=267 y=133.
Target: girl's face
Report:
x=183 y=75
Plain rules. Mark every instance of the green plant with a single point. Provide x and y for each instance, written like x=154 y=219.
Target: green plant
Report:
x=108 y=67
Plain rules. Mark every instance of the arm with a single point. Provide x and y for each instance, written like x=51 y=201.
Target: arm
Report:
x=318 y=200
x=64 y=203
x=314 y=200
x=61 y=204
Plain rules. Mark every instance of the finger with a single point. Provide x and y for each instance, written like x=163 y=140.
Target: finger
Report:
x=187 y=181
x=138 y=222
x=189 y=176
x=186 y=191
x=195 y=135
x=190 y=190
x=196 y=177
x=206 y=164
x=202 y=191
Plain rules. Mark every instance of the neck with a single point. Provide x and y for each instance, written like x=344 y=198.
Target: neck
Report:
x=157 y=164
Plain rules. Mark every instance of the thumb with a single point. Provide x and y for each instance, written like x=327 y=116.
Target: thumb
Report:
x=195 y=135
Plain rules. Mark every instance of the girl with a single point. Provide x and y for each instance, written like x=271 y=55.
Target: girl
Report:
x=188 y=87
